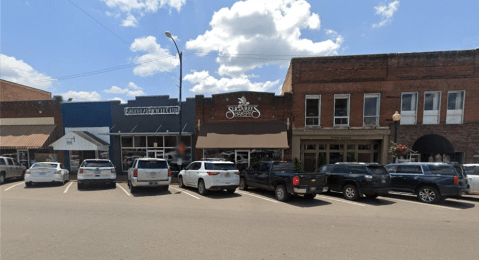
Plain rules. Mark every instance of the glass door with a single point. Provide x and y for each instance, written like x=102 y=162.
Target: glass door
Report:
x=155 y=154
x=23 y=158
x=242 y=159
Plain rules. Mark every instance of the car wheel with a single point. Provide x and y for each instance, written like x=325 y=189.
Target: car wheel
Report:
x=281 y=193
x=428 y=194
x=242 y=185
x=201 y=188
x=79 y=185
x=2 y=178
x=309 y=196
x=132 y=188
x=231 y=190
x=372 y=196
x=180 y=182
x=28 y=184
x=23 y=176
x=113 y=185
x=350 y=192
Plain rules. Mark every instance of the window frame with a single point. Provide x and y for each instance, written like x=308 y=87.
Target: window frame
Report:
x=342 y=96
x=306 y=117
x=426 y=115
x=455 y=112
x=404 y=114
x=378 y=108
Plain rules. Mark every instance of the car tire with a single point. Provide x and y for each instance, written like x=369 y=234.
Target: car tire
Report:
x=350 y=192
x=28 y=184
x=23 y=176
x=79 y=185
x=309 y=196
x=201 y=188
x=231 y=190
x=372 y=196
x=2 y=178
x=180 y=182
x=242 y=185
x=428 y=194
x=132 y=188
x=113 y=185
x=281 y=193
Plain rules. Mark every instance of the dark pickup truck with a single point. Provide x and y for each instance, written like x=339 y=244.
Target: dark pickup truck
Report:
x=283 y=179
x=431 y=182
x=356 y=179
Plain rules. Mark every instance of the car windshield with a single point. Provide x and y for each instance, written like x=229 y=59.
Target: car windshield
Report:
x=44 y=165
x=153 y=164
x=377 y=170
x=220 y=166
x=471 y=170
x=442 y=170
x=97 y=164
x=284 y=167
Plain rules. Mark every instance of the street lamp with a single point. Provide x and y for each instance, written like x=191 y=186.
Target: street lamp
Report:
x=396 y=118
x=180 y=54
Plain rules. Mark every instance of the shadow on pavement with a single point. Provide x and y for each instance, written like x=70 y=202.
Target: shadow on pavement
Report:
x=46 y=185
x=148 y=192
x=379 y=201
x=297 y=201
x=212 y=194
x=453 y=203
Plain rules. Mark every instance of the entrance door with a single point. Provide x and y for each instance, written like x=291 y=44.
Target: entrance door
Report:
x=242 y=159
x=155 y=154
x=23 y=158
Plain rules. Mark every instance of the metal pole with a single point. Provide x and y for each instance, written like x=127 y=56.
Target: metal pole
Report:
x=395 y=132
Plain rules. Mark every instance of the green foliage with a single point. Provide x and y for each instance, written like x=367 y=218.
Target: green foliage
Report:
x=254 y=161
x=321 y=160
x=297 y=163
x=353 y=158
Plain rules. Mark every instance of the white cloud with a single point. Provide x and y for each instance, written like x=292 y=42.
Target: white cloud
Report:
x=386 y=12
x=20 y=72
x=256 y=33
x=135 y=8
x=81 y=96
x=119 y=99
x=125 y=91
x=156 y=60
x=204 y=83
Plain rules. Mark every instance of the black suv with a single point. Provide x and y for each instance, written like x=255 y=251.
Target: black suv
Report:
x=356 y=179
x=431 y=182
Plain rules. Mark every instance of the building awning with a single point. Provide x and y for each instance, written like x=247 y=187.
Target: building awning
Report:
x=80 y=141
x=433 y=144
x=24 y=136
x=243 y=135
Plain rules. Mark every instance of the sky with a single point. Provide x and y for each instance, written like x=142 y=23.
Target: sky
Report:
x=93 y=50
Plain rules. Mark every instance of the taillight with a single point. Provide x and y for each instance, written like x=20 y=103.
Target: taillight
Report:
x=368 y=177
x=58 y=172
x=237 y=173
x=112 y=170
x=135 y=173
x=80 y=170
x=27 y=172
x=169 y=172
x=296 y=181
x=213 y=173
x=456 y=180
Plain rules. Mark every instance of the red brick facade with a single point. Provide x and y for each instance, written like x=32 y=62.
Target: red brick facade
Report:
x=10 y=91
x=390 y=75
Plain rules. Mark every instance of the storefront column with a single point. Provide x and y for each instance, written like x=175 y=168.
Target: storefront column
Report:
x=385 y=150
x=296 y=147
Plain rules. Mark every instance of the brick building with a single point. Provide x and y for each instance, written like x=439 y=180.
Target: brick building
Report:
x=343 y=106
x=30 y=120
x=243 y=126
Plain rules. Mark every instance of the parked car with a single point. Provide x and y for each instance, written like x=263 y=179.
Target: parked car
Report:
x=96 y=171
x=46 y=172
x=283 y=178
x=431 y=182
x=10 y=168
x=356 y=179
x=472 y=174
x=210 y=175
x=149 y=172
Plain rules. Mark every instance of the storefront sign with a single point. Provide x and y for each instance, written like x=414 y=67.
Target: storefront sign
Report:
x=141 y=111
x=243 y=109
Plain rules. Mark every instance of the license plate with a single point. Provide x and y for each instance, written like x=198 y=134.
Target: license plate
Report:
x=42 y=173
x=383 y=181
x=227 y=175
x=312 y=188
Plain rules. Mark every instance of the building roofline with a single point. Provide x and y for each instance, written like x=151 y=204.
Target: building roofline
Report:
x=26 y=86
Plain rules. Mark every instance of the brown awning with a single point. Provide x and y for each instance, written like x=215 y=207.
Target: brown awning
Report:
x=243 y=135
x=24 y=136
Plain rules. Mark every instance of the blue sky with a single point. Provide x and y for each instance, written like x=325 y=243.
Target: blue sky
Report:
x=116 y=49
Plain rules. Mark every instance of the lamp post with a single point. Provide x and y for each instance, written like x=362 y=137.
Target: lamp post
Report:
x=180 y=54
x=396 y=118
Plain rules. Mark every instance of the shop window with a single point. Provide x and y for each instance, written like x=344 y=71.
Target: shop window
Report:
x=432 y=106
x=126 y=141
x=155 y=141
x=335 y=157
x=476 y=157
x=312 y=110
x=140 y=141
x=129 y=155
x=455 y=107
x=336 y=146
x=321 y=147
x=351 y=147
x=341 y=109
x=170 y=141
x=364 y=147
x=309 y=147
x=371 y=109
x=186 y=140
x=408 y=108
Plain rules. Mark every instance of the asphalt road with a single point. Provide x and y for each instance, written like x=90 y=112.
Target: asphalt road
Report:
x=60 y=222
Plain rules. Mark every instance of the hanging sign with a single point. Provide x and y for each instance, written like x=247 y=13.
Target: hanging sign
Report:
x=142 y=111
x=243 y=109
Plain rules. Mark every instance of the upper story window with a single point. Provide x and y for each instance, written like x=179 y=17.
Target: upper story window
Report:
x=432 y=107
x=341 y=109
x=371 y=109
x=312 y=110
x=455 y=107
x=408 y=108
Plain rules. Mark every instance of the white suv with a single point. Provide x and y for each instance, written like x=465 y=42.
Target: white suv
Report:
x=96 y=171
x=210 y=175
x=472 y=172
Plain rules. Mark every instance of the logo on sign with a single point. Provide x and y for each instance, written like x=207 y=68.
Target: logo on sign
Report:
x=243 y=109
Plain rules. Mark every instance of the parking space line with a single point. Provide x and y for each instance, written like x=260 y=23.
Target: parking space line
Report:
x=127 y=193
x=259 y=197
x=13 y=186
x=68 y=187
x=421 y=203
x=341 y=200
x=185 y=193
